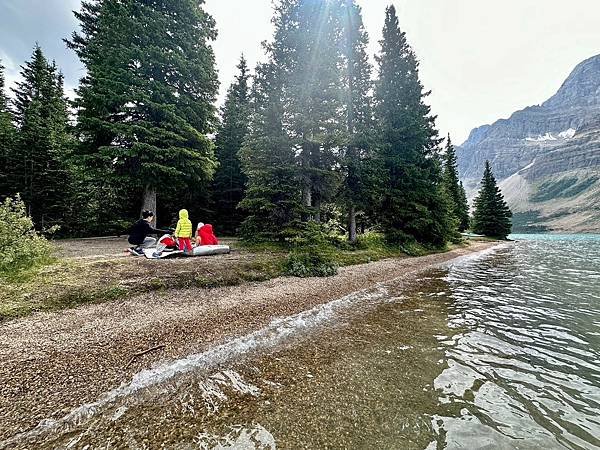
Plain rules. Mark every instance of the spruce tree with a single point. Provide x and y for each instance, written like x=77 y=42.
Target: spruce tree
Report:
x=7 y=139
x=454 y=188
x=272 y=198
x=466 y=220
x=145 y=105
x=229 y=182
x=309 y=51
x=492 y=216
x=414 y=204
x=360 y=181
x=298 y=121
x=38 y=167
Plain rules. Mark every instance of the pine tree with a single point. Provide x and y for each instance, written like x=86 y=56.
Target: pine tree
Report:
x=465 y=220
x=272 y=199
x=360 y=181
x=492 y=216
x=7 y=139
x=298 y=121
x=309 y=52
x=229 y=181
x=38 y=167
x=454 y=188
x=414 y=204
x=146 y=103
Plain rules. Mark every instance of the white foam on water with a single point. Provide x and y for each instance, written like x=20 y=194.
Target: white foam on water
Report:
x=213 y=390
x=212 y=395
x=119 y=412
x=567 y=134
x=473 y=257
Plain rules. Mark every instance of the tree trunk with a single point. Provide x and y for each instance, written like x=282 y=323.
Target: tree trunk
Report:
x=306 y=195
x=149 y=201
x=352 y=224
x=307 y=199
x=317 y=207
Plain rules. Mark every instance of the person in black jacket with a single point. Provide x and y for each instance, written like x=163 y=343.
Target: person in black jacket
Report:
x=138 y=235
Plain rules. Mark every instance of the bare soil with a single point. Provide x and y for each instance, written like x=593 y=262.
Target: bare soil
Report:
x=52 y=362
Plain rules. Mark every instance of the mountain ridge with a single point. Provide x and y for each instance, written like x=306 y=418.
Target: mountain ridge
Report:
x=541 y=153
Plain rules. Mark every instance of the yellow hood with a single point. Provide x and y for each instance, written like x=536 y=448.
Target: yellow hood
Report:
x=183 y=214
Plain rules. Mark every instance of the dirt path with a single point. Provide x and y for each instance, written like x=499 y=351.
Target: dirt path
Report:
x=53 y=362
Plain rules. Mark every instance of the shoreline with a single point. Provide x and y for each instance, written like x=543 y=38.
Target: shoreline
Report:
x=54 y=362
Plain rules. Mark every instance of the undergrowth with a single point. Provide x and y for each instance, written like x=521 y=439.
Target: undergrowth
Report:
x=22 y=249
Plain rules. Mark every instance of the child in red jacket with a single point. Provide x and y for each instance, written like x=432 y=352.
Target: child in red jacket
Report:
x=205 y=235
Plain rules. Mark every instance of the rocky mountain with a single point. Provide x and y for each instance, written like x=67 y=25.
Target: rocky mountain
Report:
x=546 y=157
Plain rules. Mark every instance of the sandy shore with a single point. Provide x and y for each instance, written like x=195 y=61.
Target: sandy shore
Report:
x=51 y=363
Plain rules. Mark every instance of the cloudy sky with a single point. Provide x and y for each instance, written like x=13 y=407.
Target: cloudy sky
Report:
x=482 y=59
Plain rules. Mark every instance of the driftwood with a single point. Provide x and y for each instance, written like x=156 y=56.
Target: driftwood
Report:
x=137 y=355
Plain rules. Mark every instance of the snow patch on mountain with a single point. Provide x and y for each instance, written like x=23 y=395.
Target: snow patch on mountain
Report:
x=567 y=134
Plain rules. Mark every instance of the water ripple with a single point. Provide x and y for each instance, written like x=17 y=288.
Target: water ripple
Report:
x=524 y=367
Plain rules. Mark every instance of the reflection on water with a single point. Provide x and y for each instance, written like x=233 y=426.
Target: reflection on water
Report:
x=496 y=351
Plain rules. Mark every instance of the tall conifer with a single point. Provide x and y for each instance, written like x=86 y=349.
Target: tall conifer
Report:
x=272 y=198
x=466 y=220
x=229 y=181
x=298 y=121
x=38 y=166
x=454 y=188
x=360 y=181
x=146 y=103
x=414 y=203
x=7 y=139
x=310 y=52
x=491 y=216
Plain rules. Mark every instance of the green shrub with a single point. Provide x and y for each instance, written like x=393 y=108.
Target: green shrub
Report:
x=21 y=247
x=371 y=241
x=310 y=263
x=313 y=253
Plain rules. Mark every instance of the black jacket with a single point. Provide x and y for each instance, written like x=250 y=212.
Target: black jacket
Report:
x=140 y=230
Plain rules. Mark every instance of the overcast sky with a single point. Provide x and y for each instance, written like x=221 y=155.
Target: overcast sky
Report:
x=482 y=59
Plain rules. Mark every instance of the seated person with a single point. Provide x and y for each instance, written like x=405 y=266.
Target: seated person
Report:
x=205 y=235
x=138 y=234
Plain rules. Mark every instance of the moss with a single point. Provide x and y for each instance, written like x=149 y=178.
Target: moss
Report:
x=157 y=284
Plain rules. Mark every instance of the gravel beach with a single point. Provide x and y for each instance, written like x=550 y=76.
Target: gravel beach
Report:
x=53 y=362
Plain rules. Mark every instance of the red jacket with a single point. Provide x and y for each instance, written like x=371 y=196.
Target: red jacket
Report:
x=207 y=237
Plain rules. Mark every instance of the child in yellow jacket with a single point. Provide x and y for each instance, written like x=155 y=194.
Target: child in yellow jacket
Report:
x=183 y=232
